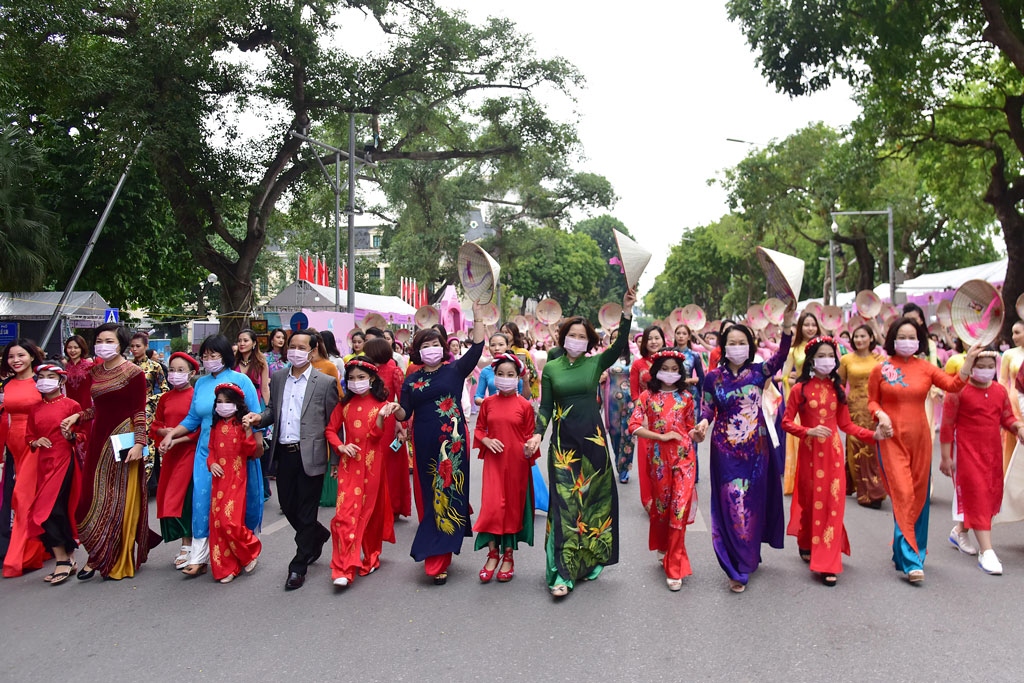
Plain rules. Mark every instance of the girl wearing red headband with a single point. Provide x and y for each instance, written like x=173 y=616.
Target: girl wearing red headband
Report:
x=505 y=424
x=662 y=420
x=363 y=519
x=174 y=489
x=233 y=547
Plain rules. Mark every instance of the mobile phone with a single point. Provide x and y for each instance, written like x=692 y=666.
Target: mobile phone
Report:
x=396 y=444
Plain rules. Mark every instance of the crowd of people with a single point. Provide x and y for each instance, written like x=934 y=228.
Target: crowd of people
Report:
x=387 y=428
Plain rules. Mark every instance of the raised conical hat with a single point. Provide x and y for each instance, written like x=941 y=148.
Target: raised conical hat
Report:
x=541 y=332
x=868 y=304
x=403 y=335
x=775 y=310
x=427 y=316
x=675 y=318
x=977 y=311
x=521 y=323
x=634 y=258
x=712 y=326
x=609 y=315
x=1020 y=306
x=373 y=320
x=490 y=314
x=831 y=318
x=548 y=311
x=815 y=309
x=756 y=318
x=694 y=317
x=478 y=273
x=944 y=312
x=785 y=273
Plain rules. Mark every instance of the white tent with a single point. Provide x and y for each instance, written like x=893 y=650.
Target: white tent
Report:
x=993 y=273
x=302 y=294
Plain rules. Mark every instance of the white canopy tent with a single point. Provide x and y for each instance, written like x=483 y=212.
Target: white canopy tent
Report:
x=993 y=273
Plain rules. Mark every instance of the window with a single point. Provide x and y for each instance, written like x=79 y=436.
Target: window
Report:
x=376 y=241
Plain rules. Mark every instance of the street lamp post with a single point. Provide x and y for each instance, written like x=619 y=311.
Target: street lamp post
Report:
x=892 y=249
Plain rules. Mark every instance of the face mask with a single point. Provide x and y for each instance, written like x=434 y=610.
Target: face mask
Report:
x=298 y=358
x=431 y=355
x=737 y=354
x=906 y=347
x=575 y=347
x=668 y=378
x=106 y=351
x=213 y=366
x=177 y=379
x=507 y=384
x=45 y=384
x=824 y=366
x=983 y=375
x=226 y=409
x=359 y=386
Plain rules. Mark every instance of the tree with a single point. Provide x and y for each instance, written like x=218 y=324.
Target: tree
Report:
x=180 y=76
x=943 y=78
x=551 y=262
x=26 y=247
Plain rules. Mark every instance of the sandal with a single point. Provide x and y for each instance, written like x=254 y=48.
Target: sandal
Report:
x=674 y=584
x=194 y=570
x=181 y=561
x=441 y=579
x=829 y=580
x=560 y=591
x=58 y=576
x=805 y=555
x=915 y=576
x=736 y=586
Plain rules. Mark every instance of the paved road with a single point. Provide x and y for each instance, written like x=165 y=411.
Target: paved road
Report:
x=396 y=626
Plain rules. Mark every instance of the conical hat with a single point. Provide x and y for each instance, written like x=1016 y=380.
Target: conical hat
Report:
x=815 y=309
x=977 y=311
x=373 y=320
x=548 y=311
x=521 y=323
x=831 y=318
x=944 y=313
x=634 y=258
x=785 y=273
x=609 y=315
x=478 y=273
x=712 y=326
x=541 y=332
x=403 y=335
x=427 y=316
x=756 y=318
x=868 y=304
x=772 y=331
x=1020 y=306
x=775 y=310
x=693 y=315
x=490 y=314
x=675 y=318
x=939 y=330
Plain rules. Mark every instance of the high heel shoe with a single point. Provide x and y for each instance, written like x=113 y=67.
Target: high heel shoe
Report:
x=487 y=574
x=504 y=577
x=194 y=570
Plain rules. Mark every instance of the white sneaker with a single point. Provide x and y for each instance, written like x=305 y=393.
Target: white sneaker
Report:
x=961 y=540
x=341 y=581
x=989 y=563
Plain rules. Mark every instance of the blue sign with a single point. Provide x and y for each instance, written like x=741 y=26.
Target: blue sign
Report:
x=298 y=322
x=8 y=333
x=112 y=315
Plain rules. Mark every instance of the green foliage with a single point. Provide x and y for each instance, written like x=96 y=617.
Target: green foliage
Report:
x=551 y=262
x=180 y=344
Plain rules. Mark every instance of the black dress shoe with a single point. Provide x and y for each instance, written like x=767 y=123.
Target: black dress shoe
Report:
x=86 y=575
x=294 y=581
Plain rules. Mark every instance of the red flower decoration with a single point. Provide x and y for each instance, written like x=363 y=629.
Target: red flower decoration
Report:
x=444 y=469
x=457 y=447
x=447 y=405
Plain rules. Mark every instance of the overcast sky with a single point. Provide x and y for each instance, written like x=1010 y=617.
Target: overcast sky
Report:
x=667 y=83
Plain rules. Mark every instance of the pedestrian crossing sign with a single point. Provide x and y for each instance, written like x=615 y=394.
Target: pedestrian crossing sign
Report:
x=111 y=316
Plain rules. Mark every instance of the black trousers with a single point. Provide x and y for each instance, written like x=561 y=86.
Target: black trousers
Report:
x=299 y=495
x=59 y=529
x=5 y=509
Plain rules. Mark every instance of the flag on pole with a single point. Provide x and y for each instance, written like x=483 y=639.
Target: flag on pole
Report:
x=302 y=268
x=321 y=271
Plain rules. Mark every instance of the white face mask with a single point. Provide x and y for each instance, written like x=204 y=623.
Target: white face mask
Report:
x=177 y=379
x=298 y=357
x=106 y=351
x=431 y=355
x=737 y=354
x=226 y=409
x=46 y=384
x=667 y=378
x=983 y=375
x=507 y=384
x=359 y=386
x=906 y=347
x=824 y=366
x=575 y=347
x=213 y=366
